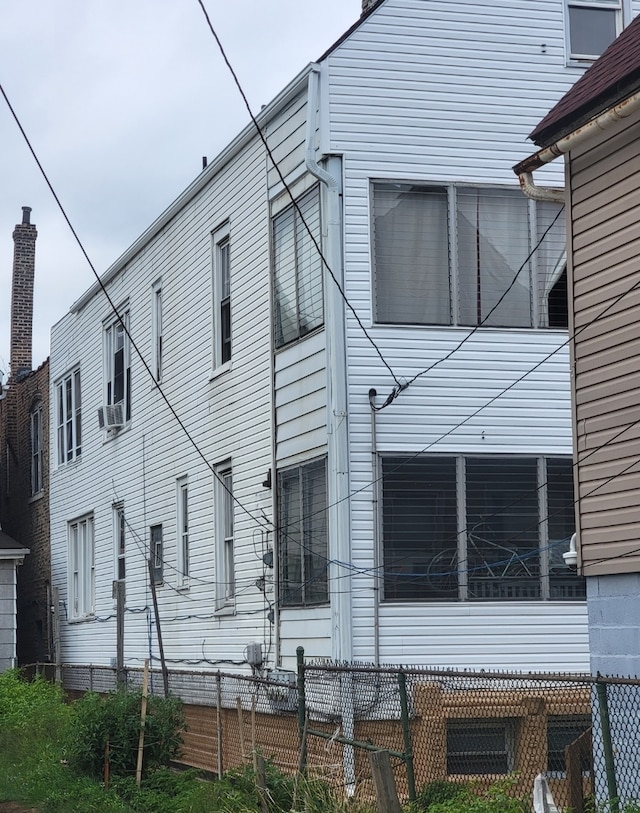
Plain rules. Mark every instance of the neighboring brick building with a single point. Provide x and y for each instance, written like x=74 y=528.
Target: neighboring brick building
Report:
x=24 y=473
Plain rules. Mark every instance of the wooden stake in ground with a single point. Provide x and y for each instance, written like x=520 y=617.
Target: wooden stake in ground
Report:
x=384 y=783
x=143 y=720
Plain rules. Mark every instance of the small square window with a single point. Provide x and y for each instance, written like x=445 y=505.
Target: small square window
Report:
x=561 y=732
x=478 y=747
x=592 y=25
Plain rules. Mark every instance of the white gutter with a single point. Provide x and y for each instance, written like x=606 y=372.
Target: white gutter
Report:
x=524 y=170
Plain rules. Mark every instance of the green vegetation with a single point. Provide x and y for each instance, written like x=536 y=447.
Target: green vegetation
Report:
x=451 y=797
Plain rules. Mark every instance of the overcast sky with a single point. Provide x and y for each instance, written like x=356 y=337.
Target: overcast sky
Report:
x=120 y=100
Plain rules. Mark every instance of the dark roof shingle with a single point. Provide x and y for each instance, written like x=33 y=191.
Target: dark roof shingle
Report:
x=612 y=78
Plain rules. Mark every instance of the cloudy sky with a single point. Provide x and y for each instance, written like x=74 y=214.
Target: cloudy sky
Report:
x=120 y=100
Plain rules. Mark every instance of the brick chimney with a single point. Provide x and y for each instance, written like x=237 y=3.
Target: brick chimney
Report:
x=367 y=5
x=24 y=263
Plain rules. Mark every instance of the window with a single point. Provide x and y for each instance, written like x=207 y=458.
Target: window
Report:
x=297 y=269
x=561 y=732
x=81 y=568
x=478 y=528
x=222 y=297
x=35 y=420
x=479 y=747
x=302 y=534
x=225 y=562
x=68 y=417
x=460 y=256
x=183 y=530
x=156 y=330
x=118 y=370
x=119 y=527
x=592 y=25
x=156 y=554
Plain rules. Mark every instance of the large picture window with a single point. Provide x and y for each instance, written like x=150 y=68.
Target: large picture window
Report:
x=302 y=534
x=81 y=567
x=450 y=255
x=297 y=269
x=69 y=428
x=478 y=528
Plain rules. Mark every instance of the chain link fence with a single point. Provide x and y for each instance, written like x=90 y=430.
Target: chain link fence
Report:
x=460 y=727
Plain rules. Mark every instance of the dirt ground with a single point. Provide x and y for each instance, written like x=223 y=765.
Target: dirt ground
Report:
x=14 y=807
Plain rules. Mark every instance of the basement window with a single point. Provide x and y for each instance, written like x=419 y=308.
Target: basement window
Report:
x=479 y=747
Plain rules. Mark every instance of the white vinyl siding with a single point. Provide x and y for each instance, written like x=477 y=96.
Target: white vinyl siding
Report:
x=68 y=417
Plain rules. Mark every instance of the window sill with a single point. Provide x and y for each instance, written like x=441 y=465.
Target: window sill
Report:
x=218 y=371
x=35 y=497
x=82 y=619
x=226 y=609
x=111 y=434
x=70 y=464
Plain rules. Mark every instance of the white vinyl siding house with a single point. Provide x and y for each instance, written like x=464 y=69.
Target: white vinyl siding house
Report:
x=439 y=298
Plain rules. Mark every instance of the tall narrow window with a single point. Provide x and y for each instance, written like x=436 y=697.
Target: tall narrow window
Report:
x=592 y=25
x=81 y=567
x=222 y=296
x=35 y=419
x=119 y=538
x=298 y=297
x=118 y=369
x=302 y=534
x=183 y=530
x=68 y=423
x=224 y=523
x=156 y=329
x=156 y=554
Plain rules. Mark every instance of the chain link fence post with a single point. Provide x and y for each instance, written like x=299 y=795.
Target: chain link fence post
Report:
x=605 y=730
x=406 y=731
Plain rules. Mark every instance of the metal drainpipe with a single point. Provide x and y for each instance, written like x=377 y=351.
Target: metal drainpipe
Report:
x=375 y=511
x=524 y=170
x=337 y=430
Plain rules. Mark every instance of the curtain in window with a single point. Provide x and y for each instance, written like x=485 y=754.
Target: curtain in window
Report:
x=411 y=249
x=492 y=244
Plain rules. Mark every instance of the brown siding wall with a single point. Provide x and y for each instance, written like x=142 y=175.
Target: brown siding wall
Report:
x=605 y=277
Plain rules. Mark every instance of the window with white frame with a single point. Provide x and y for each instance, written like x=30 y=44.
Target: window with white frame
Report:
x=478 y=528
x=222 y=296
x=224 y=529
x=81 y=567
x=183 y=529
x=592 y=25
x=35 y=423
x=156 y=329
x=118 y=364
x=297 y=269
x=455 y=255
x=119 y=540
x=68 y=423
x=302 y=534
x=156 y=554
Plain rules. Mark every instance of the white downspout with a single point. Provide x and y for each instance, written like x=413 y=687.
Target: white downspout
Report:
x=338 y=518
x=524 y=170
x=337 y=430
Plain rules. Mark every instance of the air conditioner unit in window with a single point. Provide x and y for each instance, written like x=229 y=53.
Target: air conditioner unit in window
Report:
x=110 y=416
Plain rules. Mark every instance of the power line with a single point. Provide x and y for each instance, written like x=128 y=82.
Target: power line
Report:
x=288 y=189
